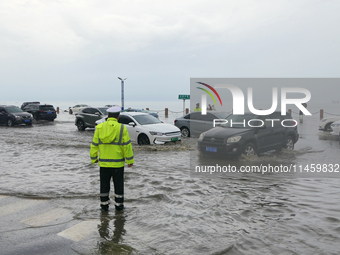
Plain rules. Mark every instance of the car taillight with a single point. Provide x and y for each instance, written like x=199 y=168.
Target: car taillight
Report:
x=175 y=121
x=41 y=111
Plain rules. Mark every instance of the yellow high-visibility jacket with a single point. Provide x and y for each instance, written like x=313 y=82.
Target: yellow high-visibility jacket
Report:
x=111 y=142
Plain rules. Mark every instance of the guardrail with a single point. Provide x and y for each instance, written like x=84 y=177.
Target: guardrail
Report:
x=322 y=112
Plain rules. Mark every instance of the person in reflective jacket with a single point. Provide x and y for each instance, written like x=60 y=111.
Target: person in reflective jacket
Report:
x=111 y=147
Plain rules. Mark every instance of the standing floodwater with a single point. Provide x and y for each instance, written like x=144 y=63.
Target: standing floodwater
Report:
x=169 y=211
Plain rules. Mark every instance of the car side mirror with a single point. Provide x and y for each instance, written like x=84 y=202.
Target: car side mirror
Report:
x=132 y=124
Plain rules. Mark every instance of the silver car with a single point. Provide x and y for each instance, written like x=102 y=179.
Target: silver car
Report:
x=195 y=123
x=87 y=117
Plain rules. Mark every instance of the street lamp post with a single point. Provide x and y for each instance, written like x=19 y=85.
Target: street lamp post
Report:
x=122 y=91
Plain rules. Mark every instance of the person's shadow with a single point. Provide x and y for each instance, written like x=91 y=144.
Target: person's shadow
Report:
x=112 y=234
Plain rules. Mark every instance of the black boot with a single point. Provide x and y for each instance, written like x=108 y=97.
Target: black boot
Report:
x=119 y=207
x=105 y=207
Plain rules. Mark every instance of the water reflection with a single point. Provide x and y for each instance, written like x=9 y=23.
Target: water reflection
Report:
x=111 y=230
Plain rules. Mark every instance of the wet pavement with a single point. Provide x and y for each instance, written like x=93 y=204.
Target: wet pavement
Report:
x=49 y=200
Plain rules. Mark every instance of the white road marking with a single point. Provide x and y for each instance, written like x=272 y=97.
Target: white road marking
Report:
x=2 y=196
x=43 y=218
x=18 y=206
x=80 y=231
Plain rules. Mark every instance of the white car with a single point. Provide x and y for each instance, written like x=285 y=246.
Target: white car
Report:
x=325 y=124
x=335 y=128
x=76 y=108
x=144 y=128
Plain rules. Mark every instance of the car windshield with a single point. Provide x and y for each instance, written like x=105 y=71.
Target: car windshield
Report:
x=46 y=107
x=146 y=119
x=103 y=110
x=221 y=115
x=240 y=121
x=132 y=110
x=13 y=109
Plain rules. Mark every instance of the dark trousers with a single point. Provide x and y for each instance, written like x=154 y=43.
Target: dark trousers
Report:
x=117 y=174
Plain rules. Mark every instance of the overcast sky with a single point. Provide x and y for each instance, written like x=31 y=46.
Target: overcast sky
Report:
x=73 y=51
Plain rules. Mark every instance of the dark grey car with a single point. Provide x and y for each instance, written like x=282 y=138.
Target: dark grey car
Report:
x=249 y=139
x=195 y=123
x=12 y=115
x=87 y=117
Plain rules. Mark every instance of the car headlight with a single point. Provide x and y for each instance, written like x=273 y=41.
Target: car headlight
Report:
x=31 y=116
x=200 y=138
x=335 y=125
x=18 y=117
x=234 y=139
x=156 y=133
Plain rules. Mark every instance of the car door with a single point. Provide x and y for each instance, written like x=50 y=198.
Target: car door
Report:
x=87 y=114
x=206 y=122
x=264 y=135
x=278 y=135
x=195 y=122
x=200 y=123
x=133 y=131
x=96 y=114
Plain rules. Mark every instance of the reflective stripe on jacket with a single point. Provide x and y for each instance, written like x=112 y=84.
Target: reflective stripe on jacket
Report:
x=111 y=142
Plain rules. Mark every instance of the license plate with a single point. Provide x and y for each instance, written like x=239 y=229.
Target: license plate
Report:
x=174 y=139
x=27 y=120
x=211 y=149
x=49 y=112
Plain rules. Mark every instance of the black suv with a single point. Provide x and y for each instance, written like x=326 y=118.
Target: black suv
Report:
x=41 y=111
x=87 y=117
x=12 y=115
x=239 y=135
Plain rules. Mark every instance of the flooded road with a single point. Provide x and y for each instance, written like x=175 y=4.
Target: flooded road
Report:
x=171 y=211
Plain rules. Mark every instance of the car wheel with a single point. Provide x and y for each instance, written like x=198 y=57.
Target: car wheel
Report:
x=185 y=132
x=328 y=127
x=249 y=150
x=143 y=139
x=80 y=125
x=289 y=145
x=9 y=123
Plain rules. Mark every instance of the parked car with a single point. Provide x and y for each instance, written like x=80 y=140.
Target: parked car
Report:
x=87 y=117
x=195 y=123
x=239 y=139
x=27 y=103
x=141 y=110
x=41 y=111
x=12 y=115
x=325 y=124
x=335 y=128
x=76 y=108
x=145 y=129
x=110 y=105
